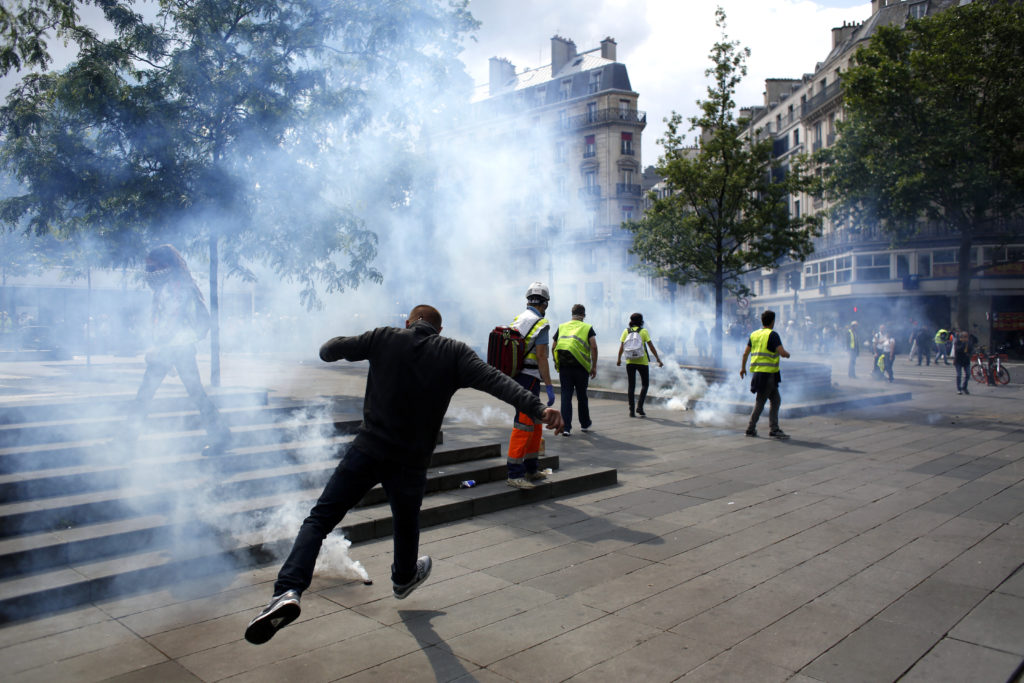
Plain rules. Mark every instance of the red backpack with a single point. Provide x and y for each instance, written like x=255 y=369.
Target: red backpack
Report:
x=506 y=349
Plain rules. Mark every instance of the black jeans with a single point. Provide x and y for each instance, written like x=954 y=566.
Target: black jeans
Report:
x=574 y=379
x=354 y=476
x=183 y=359
x=769 y=392
x=645 y=379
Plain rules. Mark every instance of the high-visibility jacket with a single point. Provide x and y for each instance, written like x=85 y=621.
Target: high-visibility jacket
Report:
x=761 y=359
x=942 y=336
x=530 y=325
x=853 y=339
x=574 y=337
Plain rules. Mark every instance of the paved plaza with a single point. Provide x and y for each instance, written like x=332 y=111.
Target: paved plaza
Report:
x=877 y=544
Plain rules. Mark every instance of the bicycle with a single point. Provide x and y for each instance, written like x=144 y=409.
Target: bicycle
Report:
x=985 y=366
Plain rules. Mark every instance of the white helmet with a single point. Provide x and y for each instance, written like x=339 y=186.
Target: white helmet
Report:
x=538 y=290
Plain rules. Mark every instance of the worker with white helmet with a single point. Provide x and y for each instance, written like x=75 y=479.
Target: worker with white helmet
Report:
x=524 y=444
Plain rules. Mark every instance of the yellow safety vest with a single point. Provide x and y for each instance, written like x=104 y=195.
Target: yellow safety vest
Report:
x=530 y=324
x=853 y=339
x=574 y=337
x=941 y=337
x=761 y=359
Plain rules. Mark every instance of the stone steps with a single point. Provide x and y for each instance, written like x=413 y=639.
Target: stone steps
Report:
x=89 y=519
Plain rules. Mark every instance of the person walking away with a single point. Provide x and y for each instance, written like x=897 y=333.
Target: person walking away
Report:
x=963 y=350
x=524 y=443
x=878 y=340
x=634 y=343
x=924 y=342
x=940 y=340
x=413 y=374
x=576 y=364
x=179 y=321
x=888 y=352
x=852 y=348
x=764 y=349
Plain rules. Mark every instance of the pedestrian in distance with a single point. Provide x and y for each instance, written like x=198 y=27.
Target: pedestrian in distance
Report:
x=924 y=344
x=963 y=349
x=764 y=348
x=576 y=364
x=940 y=340
x=180 y=320
x=634 y=344
x=524 y=443
x=413 y=374
x=888 y=353
x=852 y=348
x=700 y=340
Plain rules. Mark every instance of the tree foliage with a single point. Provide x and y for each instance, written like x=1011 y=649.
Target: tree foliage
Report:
x=934 y=129
x=239 y=127
x=726 y=212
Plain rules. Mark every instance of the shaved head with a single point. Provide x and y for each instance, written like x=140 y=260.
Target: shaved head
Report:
x=427 y=313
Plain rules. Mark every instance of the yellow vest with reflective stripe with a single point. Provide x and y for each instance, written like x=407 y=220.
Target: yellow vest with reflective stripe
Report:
x=529 y=325
x=761 y=359
x=574 y=337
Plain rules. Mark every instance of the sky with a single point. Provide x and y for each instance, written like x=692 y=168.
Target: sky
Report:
x=664 y=43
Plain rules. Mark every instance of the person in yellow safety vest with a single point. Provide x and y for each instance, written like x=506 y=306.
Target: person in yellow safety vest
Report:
x=524 y=444
x=764 y=349
x=576 y=364
x=853 y=348
x=941 y=339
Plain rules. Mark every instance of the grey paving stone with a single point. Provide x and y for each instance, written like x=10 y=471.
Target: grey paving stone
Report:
x=671 y=544
x=571 y=653
x=801 y=636
x=933 y=605
x=577 y=577
x=733 y=666
x=878 y=651
x=544 y=562
x=39 y=652
x=1014 y=585
x=998 y=623
x=98 y=665
x=742 y=616
x=990 y=562
x=431 y=662
x=635 y=587
x=499 y=640
x=508 y=551
x=33 y=629
x=662 y=658
x=954 y=661
x=1004 y=507
x=678 y=604
x=165 y=672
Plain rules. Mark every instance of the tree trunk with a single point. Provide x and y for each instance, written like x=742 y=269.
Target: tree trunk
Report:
x=88 y=316
x=214 y=316
x=963 y=279
x=719 y=322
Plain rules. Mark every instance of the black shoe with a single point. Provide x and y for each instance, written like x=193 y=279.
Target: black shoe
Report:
x=632 y=413
x=641 y=413
x=751 y=432
x=965 y=390
x=282 y=610
x=778 y=434
x=423 y=566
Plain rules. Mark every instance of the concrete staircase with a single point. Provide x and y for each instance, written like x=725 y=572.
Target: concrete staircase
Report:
x=85 y=518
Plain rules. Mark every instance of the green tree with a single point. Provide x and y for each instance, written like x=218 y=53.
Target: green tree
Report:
x=934 y=130
x=726 y=212
x=231 y=126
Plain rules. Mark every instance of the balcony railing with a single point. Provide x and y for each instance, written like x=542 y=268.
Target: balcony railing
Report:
x=590 y=192
x=831 y=91
x=605 y=116
x=589 y=154
x=626 y=189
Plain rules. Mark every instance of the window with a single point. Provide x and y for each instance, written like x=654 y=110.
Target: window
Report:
x=590 y=179
x=924 y=265
x=627 y=213
x=918 y=11
x=822 y=84
x=540 y=95
x=595 y=82
x=844 y=270
x=559 y=151
x=796 y=208
x=872 y=267
x=589 y=147
x=563 y=118
x=902 y=265
x=796 y=137
x=624 y=108
x=811 y=275
x=591 y=112
x=565 y=90
x=627 y=144
x=778 y=122
x=627 y=176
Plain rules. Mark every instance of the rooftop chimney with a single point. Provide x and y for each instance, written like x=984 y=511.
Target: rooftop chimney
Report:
x=608 y=48
x=877 y=5
x=841 y=34
x=563 y=51
x=502 y=71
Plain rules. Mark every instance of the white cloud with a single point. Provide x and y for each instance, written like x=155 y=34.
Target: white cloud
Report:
x=665 y=43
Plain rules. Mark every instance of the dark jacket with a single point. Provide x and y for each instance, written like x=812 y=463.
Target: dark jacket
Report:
x=413 y=374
